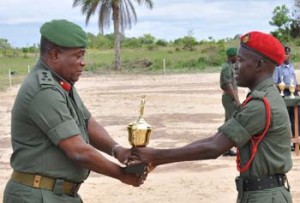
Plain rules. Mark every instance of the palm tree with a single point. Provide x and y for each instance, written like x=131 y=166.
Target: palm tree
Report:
x=122 y=13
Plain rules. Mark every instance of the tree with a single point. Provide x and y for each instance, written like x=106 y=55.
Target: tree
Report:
x=282 y=21
x=5 y=47
x=295 y=24
x=297 y=4
x=187 y=43
x=147 y=39
x=4 y=44
x=122 y=13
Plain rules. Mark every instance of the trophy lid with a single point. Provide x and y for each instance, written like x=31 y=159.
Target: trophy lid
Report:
x=140 y=123
x=139 y=130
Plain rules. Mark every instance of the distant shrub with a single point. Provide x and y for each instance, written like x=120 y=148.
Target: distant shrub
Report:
x=162 y=43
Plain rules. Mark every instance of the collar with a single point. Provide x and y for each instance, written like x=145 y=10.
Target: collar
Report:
x=62 y=82
x=285 y=65
x=264 y=84
x=65 y=85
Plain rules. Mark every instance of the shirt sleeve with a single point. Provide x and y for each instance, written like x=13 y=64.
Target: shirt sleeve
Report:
x=225 y=76
x=245 y=123
x=294 y=74
x=49 y=111
x=276 y=76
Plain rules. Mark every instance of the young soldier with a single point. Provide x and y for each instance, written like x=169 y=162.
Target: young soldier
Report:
x=260 y=129
x=230 y=97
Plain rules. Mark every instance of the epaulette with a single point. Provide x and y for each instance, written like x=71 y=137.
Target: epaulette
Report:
x=45 y=78
x=258 y=94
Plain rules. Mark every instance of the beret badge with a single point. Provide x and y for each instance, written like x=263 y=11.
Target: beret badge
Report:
x=245 y=39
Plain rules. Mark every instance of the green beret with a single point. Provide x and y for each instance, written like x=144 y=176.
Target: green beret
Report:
x=231 y=52
x=64 y=33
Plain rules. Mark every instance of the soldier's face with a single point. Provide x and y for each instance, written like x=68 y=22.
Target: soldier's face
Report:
x=245 y=69
x=71 y=63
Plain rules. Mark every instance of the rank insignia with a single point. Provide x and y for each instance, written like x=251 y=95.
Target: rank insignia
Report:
x=246 y=38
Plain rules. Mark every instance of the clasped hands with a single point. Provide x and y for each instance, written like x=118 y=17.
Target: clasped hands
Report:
x=138 y=161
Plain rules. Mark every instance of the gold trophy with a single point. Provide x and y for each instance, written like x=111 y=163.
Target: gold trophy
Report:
x=292 y=89
x=281 y=86
x=138 y=136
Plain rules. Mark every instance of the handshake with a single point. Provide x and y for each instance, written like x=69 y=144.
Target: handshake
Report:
x=138 y=161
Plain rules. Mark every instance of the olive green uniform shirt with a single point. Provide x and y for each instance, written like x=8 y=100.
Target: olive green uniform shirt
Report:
x=273 y=155
x=43 y=115
x=227 y=77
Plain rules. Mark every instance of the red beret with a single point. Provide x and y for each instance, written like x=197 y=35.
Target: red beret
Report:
x=265 y=45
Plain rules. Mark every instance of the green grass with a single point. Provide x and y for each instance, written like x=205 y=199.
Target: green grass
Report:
x=133 y=61
x=18 y=65
x=175 y=60
x=148 y=60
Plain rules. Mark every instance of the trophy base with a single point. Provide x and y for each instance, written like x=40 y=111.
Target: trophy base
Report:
x=136 y=169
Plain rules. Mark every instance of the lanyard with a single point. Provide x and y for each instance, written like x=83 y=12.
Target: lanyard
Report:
x=255 y=140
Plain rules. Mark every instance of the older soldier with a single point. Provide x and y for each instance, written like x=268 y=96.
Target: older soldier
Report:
x=259 y=129
x=55 y=138
x=230 y=97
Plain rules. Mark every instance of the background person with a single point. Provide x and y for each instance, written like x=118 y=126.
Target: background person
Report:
x=260 y=128
x=286 y=73
x=55 y=138
x=230 y=98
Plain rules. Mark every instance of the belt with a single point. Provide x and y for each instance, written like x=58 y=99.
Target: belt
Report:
x=57 y=185
x=261 y=183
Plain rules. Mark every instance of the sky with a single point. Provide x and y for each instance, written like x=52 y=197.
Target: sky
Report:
x=20 y=20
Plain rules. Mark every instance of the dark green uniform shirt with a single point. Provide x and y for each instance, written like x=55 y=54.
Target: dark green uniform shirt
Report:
x=273 y=155
x=227 y=76
x=43 y=115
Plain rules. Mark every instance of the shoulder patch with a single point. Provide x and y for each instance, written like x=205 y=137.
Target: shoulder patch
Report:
x=45 y=78
x=258 y=94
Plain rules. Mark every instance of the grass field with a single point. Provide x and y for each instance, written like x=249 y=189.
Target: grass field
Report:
x=156 y=61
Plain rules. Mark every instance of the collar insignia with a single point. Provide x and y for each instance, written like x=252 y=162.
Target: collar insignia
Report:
x=66 y=86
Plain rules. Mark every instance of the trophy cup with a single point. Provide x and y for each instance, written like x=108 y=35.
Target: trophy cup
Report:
x=138 y=136
x=281 y=86
x=292 y=89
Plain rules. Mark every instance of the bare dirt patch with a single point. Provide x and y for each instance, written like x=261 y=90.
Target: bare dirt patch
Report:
x=180 y=108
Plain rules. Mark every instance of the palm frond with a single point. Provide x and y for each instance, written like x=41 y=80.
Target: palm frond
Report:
x=104 y=15
x=148 y=3
x=104 y=8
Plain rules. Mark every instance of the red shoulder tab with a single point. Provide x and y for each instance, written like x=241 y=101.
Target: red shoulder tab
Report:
x=65 y=85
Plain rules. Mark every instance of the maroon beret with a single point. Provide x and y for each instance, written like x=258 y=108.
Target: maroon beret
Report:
x=265 y=45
